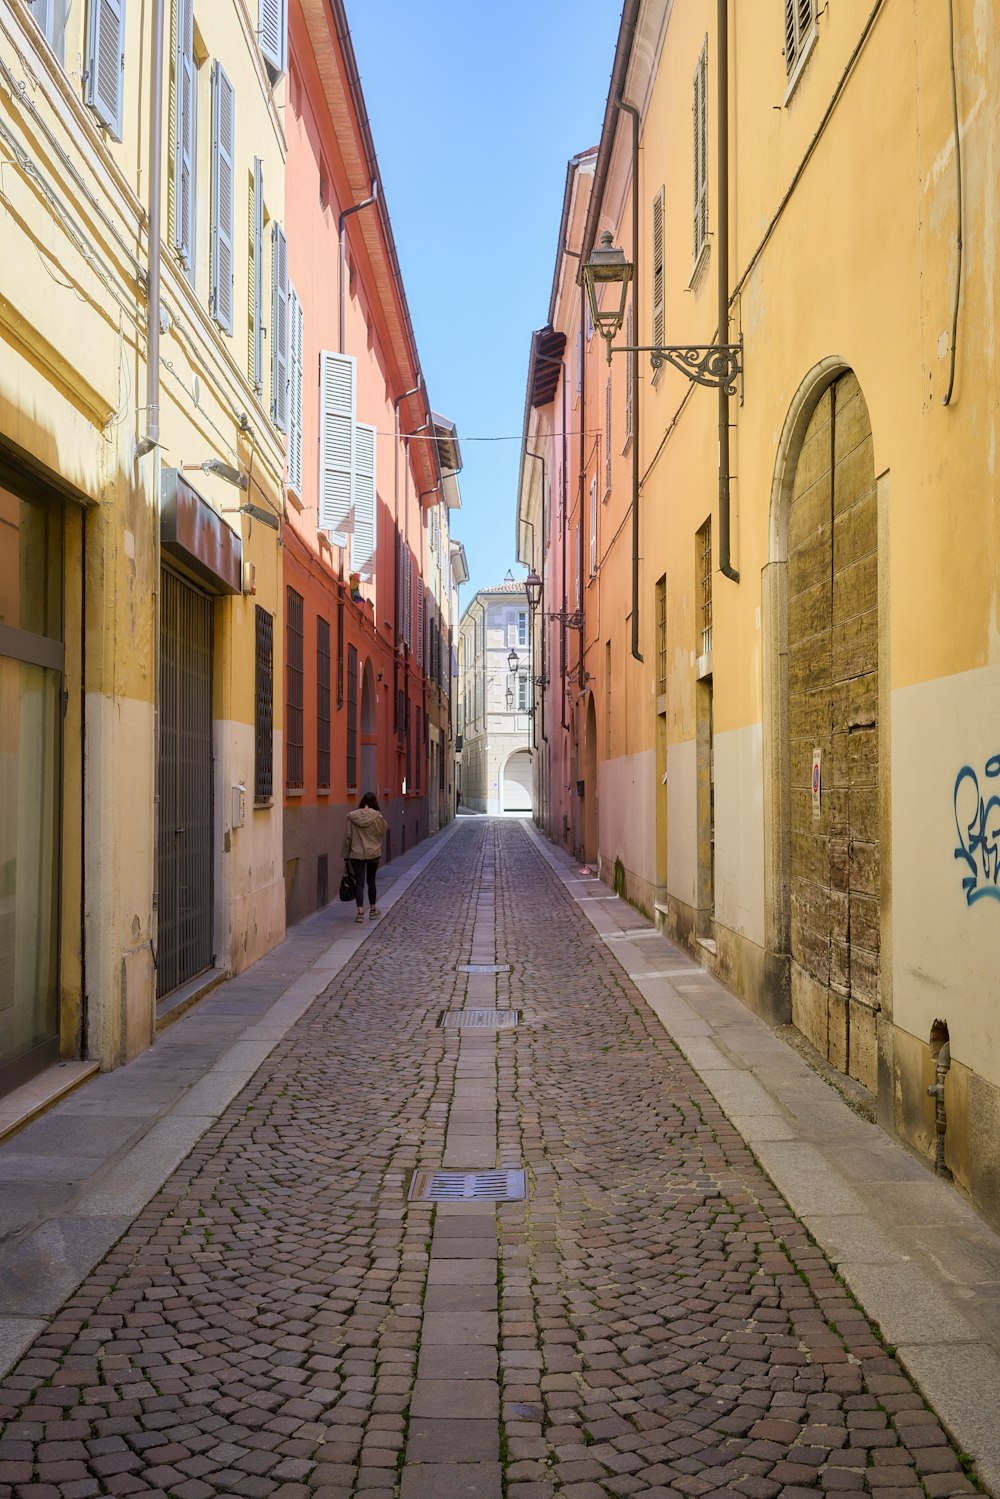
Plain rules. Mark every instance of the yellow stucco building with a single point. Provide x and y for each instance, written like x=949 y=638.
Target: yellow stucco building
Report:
x=141 y=473
x=792 y=716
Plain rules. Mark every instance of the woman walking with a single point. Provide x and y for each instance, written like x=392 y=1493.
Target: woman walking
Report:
x=366 y=827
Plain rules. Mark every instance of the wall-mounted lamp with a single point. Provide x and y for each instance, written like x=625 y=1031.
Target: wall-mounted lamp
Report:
x=533 y=588
x=226 y=471
x=258 y=513
x=716 y=365
x=513 y=663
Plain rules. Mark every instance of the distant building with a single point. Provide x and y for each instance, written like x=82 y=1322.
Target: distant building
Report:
x=495 y=702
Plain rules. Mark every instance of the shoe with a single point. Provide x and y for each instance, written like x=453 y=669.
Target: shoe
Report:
x=360 y=916
x=374 y=914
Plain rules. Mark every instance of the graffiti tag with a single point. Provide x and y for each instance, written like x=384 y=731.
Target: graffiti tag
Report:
x=977 y=820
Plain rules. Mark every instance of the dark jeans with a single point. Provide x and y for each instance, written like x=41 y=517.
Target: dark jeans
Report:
x=360 y=866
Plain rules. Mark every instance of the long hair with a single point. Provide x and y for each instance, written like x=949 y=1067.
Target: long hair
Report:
x=370 y=800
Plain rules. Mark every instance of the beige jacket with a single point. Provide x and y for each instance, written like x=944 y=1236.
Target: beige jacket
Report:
x=364 y=833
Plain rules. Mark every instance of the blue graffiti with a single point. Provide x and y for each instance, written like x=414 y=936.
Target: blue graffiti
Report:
x=977 y=820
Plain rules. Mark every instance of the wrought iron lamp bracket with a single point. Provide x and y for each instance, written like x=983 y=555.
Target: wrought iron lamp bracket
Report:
x=572 y=619
x=714 y=365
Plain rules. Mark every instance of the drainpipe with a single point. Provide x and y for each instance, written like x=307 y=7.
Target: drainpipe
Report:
x=562 y=542
x=936 y=1091
x=722 y=248
x=341 y=230
x=149 y=442
x=630 y=110
x=540 y=458
x=583 y=471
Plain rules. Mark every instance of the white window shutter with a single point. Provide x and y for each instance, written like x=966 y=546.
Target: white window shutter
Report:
x=294 y=392
x=363 y=541
x=223 y=196
x=658 y=298
x=257 y=277
x=420 y=623
x=408 y=599
x=184 y=115
x=273 y=17
x=279 y=328
x=337 y=381
x=105 y=62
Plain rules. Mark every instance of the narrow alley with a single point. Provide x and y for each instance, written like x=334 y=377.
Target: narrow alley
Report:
x=340 y=1289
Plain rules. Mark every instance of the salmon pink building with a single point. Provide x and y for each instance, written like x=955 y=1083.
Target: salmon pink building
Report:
x=367 y=486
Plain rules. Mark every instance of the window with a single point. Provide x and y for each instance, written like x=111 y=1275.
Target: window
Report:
x=255 y=282
x=657 y=269
x=104 y=63
x=578 y=557
x=263 y=780
x=521 y=623
x=322 y=702
x=704 y=557
x=294 y=393
x=279 y=328
x=50 y=18
x=593 y=526
x=608 y=678
x=352 y=716
x=294 y=693
x=800 y=22
x=418 y=765
x=629 y=380
x=223 y=198
x=273 y=35
x=337 y=376
x=661 y=636
x=607 y=436
x=700 y=135
x=184 y=96
x=363 y=536
x=523 y=693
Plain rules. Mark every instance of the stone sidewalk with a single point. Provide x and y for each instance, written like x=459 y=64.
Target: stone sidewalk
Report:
x=248 y=1295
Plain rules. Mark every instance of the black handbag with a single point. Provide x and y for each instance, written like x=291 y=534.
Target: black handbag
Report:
x=348 y=890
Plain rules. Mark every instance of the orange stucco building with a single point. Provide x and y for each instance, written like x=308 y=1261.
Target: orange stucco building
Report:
x=366 y=472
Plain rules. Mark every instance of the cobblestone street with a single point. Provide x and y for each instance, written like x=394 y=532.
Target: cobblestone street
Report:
x=652 y=1319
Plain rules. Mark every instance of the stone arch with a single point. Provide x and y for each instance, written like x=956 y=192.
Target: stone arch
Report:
x=515 y=782
x=821 y=628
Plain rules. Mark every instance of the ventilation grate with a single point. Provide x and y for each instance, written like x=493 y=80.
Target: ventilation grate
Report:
x=468 y=1186
x=479 y=1020
x=484 y=968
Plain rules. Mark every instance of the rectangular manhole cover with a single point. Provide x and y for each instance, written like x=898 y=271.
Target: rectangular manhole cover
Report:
x=479 y=1020
x=484 y=968
x=468 y=1186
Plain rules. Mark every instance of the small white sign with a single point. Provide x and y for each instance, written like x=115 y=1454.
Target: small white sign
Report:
x=817 y=782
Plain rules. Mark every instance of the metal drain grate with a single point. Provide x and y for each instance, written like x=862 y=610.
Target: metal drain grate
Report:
x=468 y=1186
x=484 y=968
x=479 y=1020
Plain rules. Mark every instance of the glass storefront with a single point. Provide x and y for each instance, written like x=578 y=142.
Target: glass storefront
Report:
x=31 y=681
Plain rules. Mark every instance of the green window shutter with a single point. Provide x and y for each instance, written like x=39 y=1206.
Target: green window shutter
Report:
x=105 y=62
x=279 y=328
x=337 y=380
x=363 y=540
x=223 y=196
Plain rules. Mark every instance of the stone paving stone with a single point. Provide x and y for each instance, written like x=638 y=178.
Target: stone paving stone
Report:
x=280 y=1319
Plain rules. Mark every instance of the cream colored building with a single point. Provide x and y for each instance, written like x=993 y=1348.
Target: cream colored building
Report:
x=793 y=711
x=494 y=704
x=141 y=474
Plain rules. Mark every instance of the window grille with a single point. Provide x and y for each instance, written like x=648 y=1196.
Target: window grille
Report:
x=700 y=133
x=322 y=702
x=705 y=586
x=800 y=18
x=263 y=786
x=661 y=636
x=294 y=693
x=352 y=716
x=340 y=653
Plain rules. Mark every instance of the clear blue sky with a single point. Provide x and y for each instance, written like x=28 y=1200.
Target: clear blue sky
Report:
x=476 y=108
